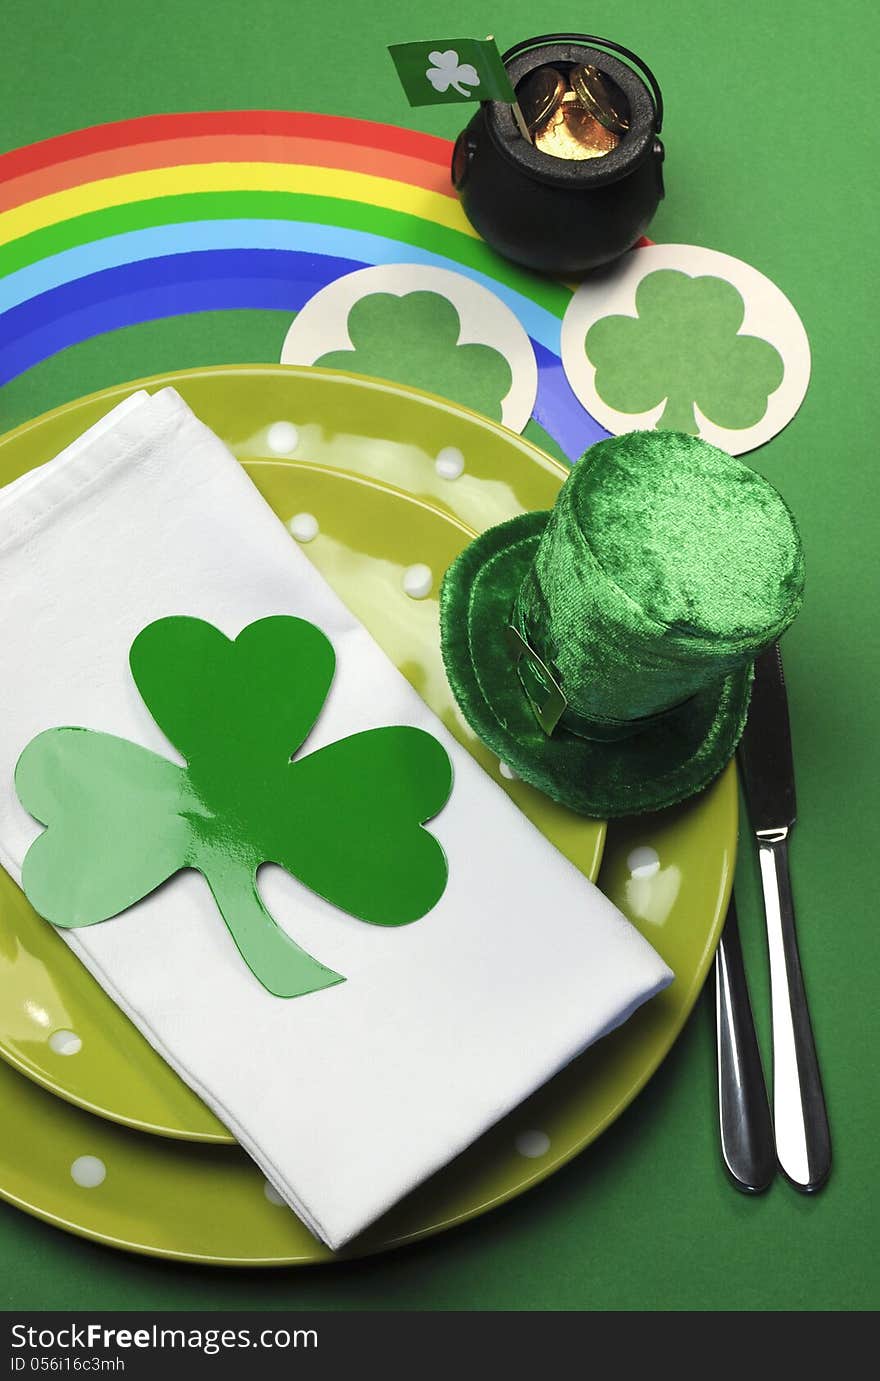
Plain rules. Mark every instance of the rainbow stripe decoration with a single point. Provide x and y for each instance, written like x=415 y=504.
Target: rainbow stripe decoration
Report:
x=169 y=215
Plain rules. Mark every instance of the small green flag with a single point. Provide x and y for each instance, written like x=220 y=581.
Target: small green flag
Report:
x=451 y=69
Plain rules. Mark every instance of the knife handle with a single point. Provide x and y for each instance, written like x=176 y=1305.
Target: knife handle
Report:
x=803 y=1141
x=743 y=1110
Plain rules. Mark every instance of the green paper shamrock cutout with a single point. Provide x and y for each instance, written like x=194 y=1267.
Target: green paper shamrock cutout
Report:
x=683 y=347
x=345 y=820
x=414 y=340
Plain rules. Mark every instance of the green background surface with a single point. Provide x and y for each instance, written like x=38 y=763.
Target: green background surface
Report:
x=759 y=165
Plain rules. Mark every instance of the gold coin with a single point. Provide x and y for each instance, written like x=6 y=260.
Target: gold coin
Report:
x=601 y=96
x=574 y=133
x=539 y=95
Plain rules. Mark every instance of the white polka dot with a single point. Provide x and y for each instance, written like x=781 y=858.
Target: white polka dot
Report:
x=88 y=1172
x=449 y=463
x=532 y=1144
x=643 y=862
x=282 y=438
x=272 y=1195
x=507 y=771
x=65 y=1043
x=417 y=581
x=304 y=527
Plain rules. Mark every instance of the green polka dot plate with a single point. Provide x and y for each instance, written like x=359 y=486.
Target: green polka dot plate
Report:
x=383 y=486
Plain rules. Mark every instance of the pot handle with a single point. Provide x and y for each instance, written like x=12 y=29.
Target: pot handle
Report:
x=643 y=67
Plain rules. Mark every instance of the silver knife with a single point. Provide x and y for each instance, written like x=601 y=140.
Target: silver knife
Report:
x=803 y=1141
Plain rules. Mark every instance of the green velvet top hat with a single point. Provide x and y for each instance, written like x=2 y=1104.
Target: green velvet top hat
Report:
x=604 y=650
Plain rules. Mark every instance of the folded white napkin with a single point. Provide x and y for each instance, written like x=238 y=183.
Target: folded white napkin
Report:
x=348 y=1097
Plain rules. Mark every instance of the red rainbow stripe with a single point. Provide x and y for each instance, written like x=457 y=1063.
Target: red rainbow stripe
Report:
x=249 y=136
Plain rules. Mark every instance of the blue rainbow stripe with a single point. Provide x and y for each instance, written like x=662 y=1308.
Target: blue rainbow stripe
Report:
x=76 y=304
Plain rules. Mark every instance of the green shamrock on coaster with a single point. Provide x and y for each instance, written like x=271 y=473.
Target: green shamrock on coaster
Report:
x=684 y=347
x=414 y=340
x=345 y=820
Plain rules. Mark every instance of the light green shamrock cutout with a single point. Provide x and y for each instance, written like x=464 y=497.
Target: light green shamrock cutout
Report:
x=683 y=347
x=345 y=820
x=446 y=71
x=414 y=340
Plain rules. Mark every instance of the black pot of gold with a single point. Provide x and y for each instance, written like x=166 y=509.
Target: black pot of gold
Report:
x=574 y=183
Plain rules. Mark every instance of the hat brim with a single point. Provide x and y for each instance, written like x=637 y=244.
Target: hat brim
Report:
x=658 y=767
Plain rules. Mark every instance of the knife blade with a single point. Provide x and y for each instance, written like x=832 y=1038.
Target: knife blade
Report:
x=803 y=1140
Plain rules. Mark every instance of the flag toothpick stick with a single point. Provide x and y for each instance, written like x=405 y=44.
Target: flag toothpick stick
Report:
x=520 y=122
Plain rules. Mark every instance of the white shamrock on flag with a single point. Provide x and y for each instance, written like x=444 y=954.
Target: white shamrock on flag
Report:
x=446 y=71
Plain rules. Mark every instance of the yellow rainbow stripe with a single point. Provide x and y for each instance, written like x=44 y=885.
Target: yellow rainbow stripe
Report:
x=232 y=177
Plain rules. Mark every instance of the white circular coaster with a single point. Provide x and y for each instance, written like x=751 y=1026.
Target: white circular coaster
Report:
x=687 y=339
x=414 y=341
